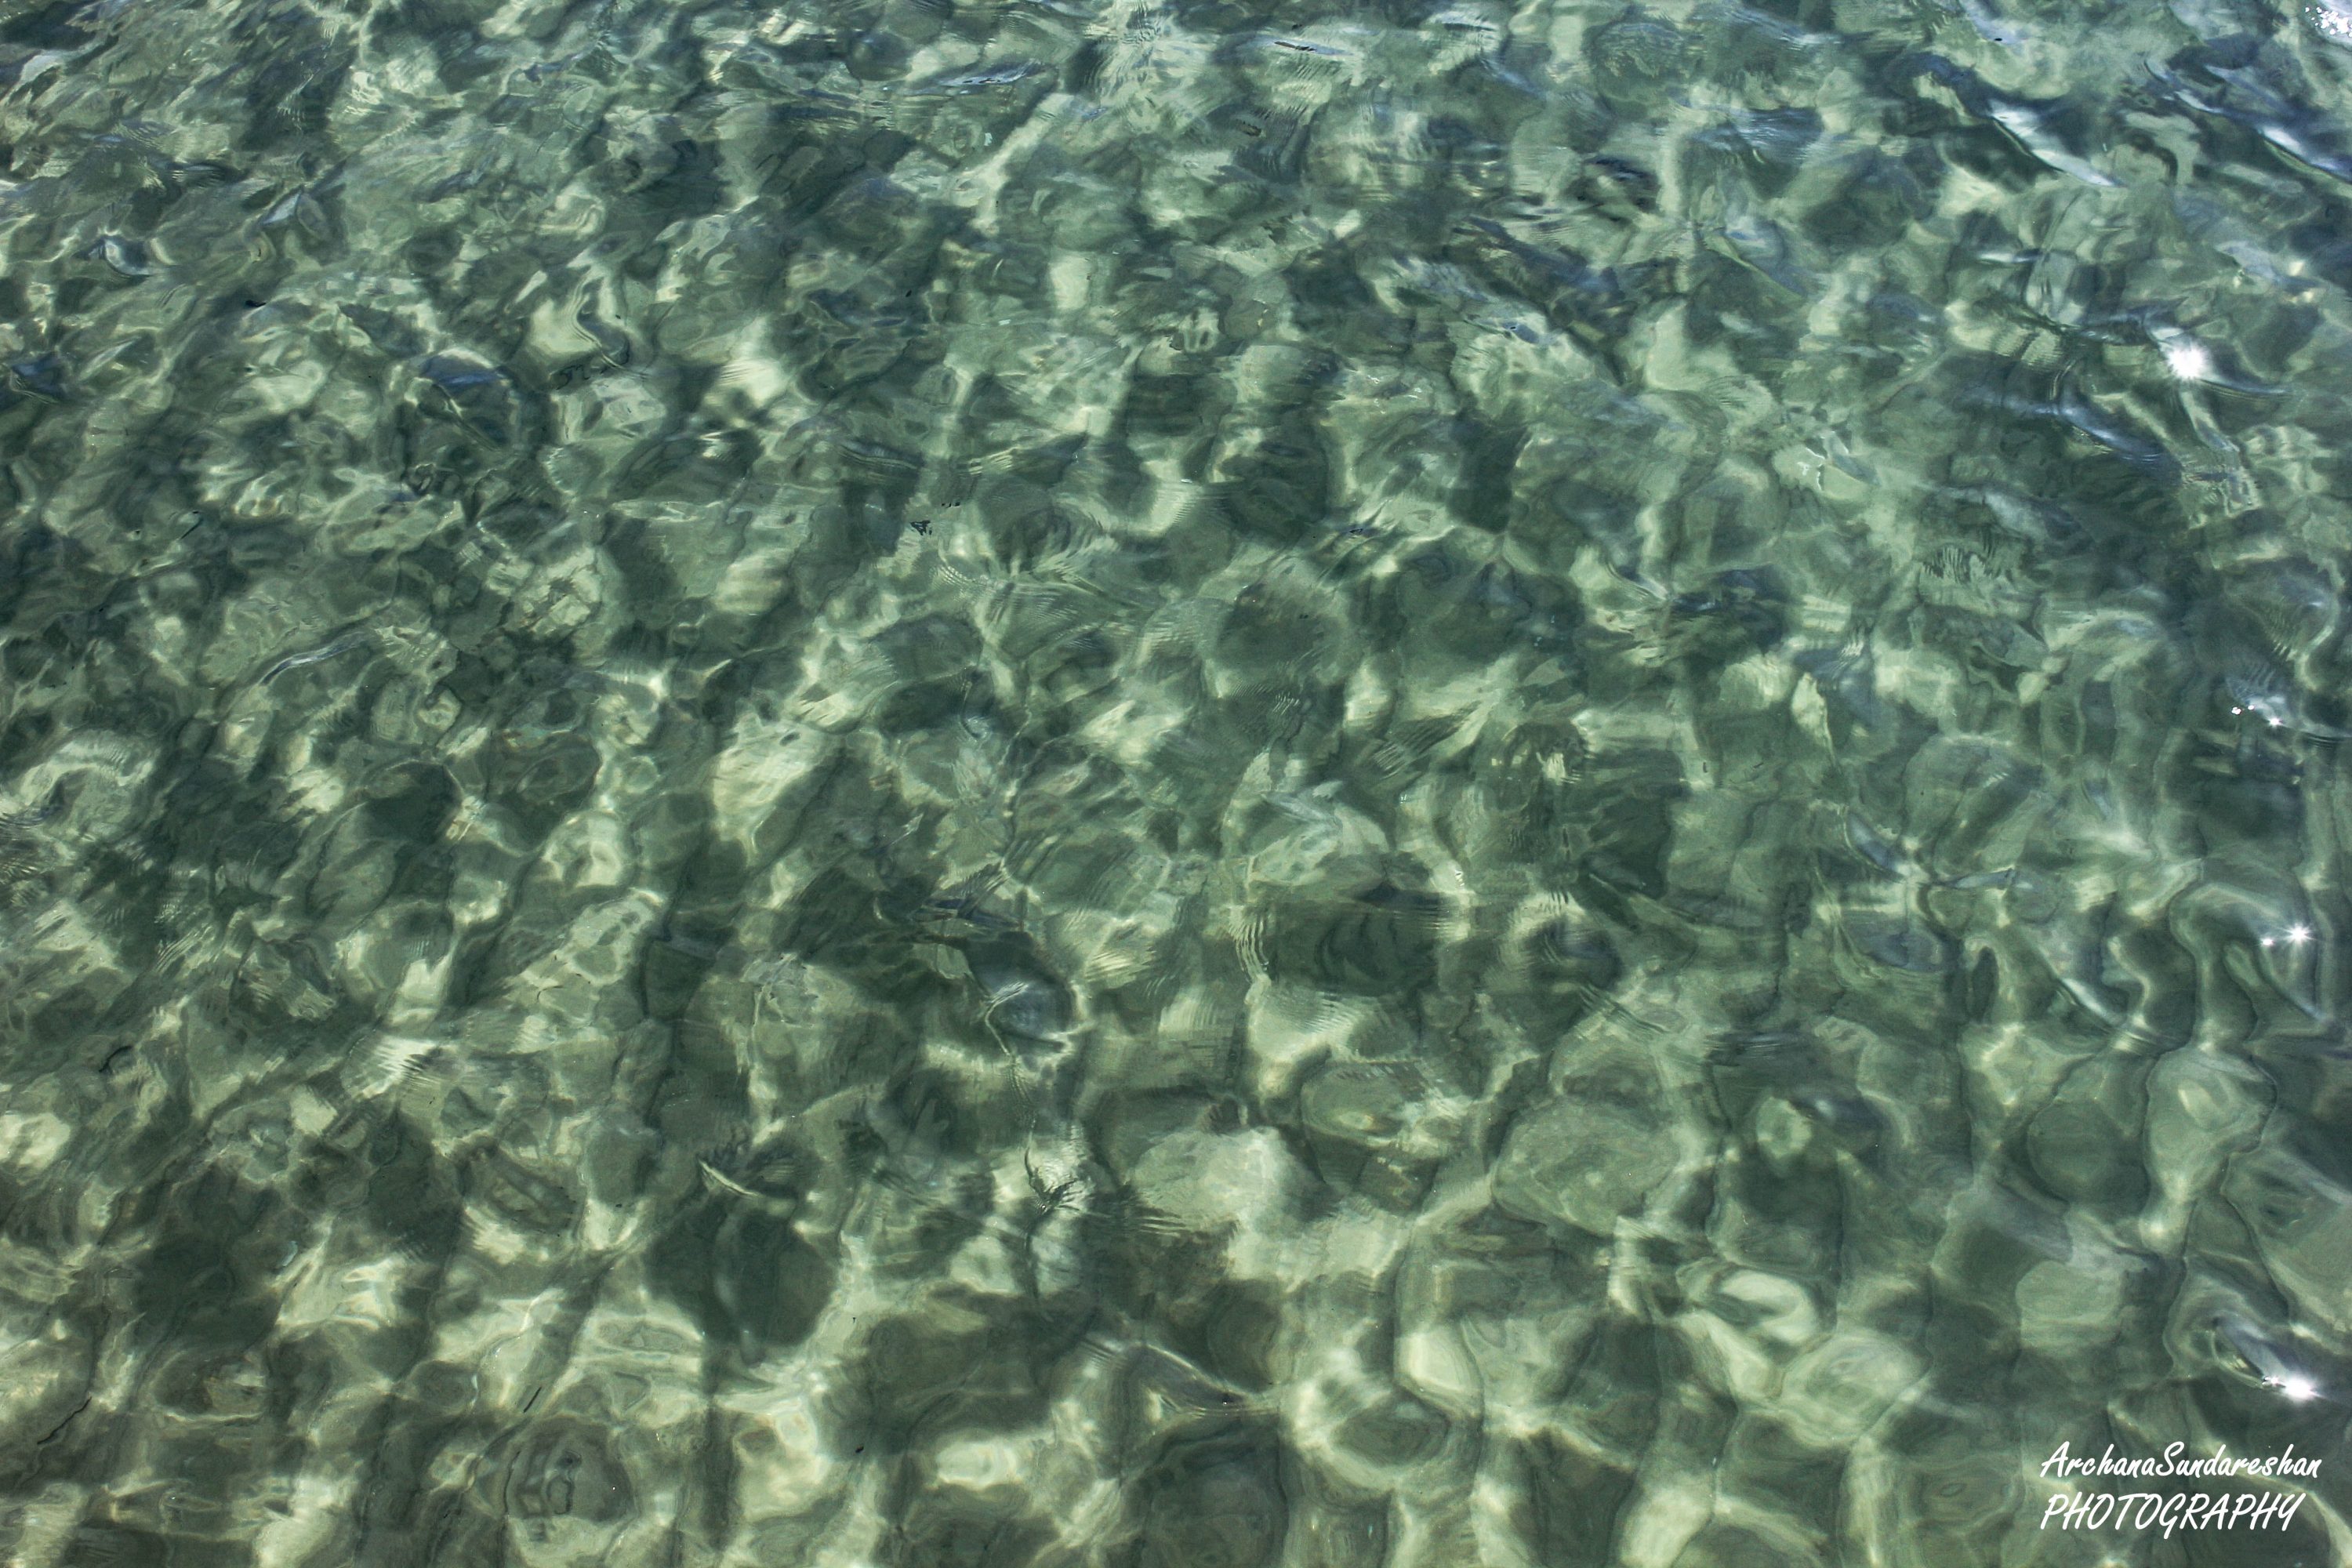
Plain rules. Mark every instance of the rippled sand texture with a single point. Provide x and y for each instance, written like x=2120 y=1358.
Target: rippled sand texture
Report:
x=1167 y=787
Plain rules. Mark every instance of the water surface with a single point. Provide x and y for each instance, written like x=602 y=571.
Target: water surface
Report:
x=1197 y=785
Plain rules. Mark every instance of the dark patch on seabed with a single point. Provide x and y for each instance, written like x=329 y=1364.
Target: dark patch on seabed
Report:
x=1193 y=785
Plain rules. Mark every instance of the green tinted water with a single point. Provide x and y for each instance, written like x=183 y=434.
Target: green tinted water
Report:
x=1168 y=786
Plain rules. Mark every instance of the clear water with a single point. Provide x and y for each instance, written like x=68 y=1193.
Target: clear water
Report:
x=1168 y=786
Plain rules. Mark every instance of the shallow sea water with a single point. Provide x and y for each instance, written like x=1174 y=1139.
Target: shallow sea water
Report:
x=1191 y=785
